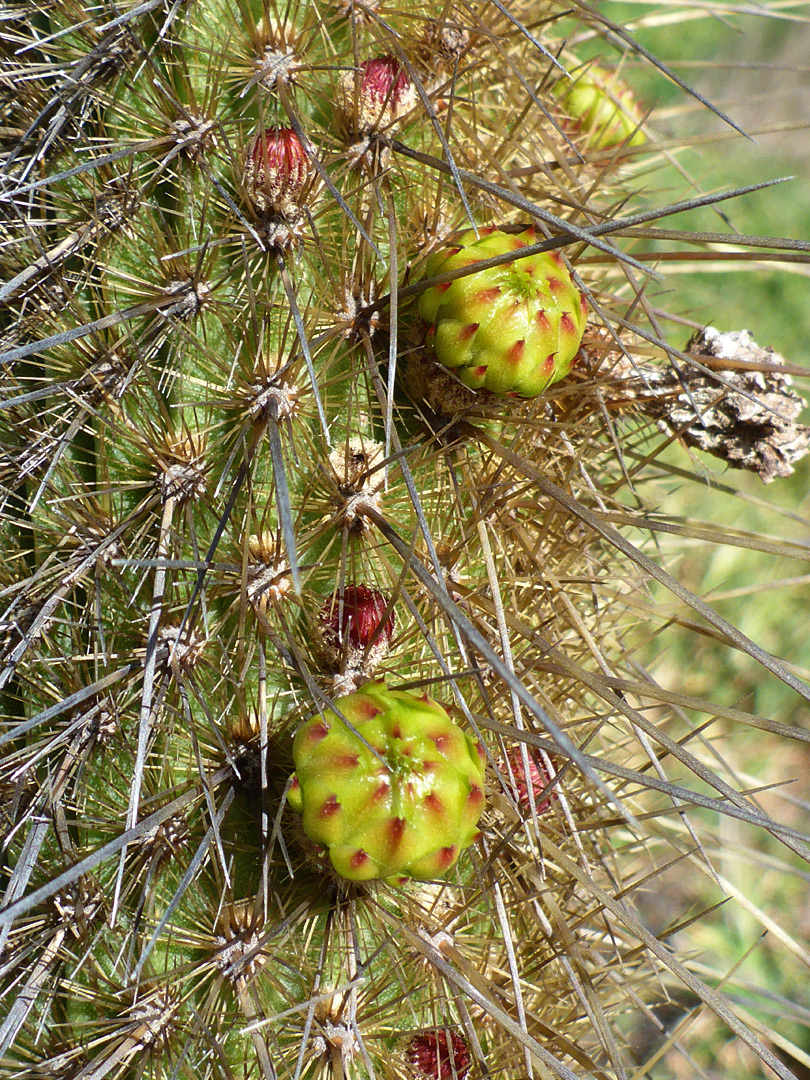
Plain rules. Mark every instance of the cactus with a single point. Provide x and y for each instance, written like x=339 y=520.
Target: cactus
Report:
x=399 y=792
x=233 y=459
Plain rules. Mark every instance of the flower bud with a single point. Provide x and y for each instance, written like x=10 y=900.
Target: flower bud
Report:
x=513 y=329
x=353 y=635
x=375 y=97
x=389 y=784
x=356 y=616
x=529 y=786
x=278 y=173
x=601 y=109
x=440 y=1054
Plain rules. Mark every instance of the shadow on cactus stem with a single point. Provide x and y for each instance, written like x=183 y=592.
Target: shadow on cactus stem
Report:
x=336 y=382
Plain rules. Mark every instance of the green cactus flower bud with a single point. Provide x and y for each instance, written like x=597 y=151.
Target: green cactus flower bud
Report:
x=513 y=329
x=602 y=108
x=408 y=807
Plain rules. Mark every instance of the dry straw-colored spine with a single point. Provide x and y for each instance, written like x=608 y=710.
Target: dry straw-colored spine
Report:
x=236 y=485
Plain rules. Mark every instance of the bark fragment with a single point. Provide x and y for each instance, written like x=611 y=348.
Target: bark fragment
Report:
x=749 y=419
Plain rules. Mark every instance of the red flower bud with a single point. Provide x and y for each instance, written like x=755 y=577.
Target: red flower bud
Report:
x=277 y=172
x=383 y=80
x=357 y=620
x=440 y=1054
x=375 y=98
x=536 y=781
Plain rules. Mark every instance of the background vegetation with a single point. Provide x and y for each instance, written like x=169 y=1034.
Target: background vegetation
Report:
x=766 y=88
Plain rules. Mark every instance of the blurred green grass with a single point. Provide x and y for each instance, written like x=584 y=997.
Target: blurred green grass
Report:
x=718 y=54
x=753 y=68
x=766 y=596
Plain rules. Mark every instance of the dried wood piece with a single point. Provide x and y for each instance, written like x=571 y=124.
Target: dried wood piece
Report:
x=754 y=428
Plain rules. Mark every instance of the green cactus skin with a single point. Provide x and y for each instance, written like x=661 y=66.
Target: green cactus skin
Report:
x=513 y=329
x=602 y=108
x=411 y=817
